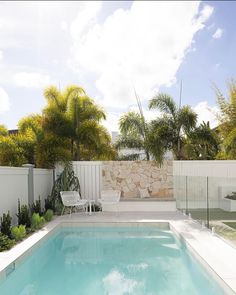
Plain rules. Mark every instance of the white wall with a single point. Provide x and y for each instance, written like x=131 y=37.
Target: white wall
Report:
x=221 y=177
x=90 y=178
x=214 y=168
x=14 y=186
x=43 y=182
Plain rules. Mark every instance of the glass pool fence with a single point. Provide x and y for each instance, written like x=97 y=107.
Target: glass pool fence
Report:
x=209 y=200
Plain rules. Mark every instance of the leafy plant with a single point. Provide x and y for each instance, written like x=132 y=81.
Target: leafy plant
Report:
x=6 y=224
x=49 y=203
x=73 y=117
x=37 y=221
x=232 y=196
x=173 y=125
x=134 y=133
x=67 y=181
x=227 y=121
x=58 y=207
x=23 y=215
x=48 y=215
x=36 y=207
x=18 y=232
x=5 y=242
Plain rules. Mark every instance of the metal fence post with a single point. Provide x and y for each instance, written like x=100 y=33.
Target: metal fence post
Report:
x=207 y=195
x=186 y=194
x=30 y=183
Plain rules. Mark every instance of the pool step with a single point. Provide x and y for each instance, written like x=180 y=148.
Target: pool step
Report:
x=141 y=206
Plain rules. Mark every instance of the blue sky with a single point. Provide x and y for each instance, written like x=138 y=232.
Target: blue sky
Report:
x=213 y=60
x=109 y=48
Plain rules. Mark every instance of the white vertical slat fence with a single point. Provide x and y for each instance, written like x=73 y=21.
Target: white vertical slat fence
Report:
x=90 y=178
x=14 y=186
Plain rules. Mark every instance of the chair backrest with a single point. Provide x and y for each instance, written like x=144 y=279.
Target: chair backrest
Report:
x=110 y=195
x=69 y=197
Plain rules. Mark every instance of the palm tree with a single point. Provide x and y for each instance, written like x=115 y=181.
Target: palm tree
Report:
x=227 y=120
x=202 y=143
x=174 y=123
x=3 y=130
x=41 y=147
x=72 y=115
x=134 y=133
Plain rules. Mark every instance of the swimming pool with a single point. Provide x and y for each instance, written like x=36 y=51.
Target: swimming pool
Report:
x=110 y=261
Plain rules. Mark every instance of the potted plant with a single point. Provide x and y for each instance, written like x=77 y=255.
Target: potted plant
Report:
x=230 y=202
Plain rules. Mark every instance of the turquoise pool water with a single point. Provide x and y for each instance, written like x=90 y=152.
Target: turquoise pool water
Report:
x=110 y=261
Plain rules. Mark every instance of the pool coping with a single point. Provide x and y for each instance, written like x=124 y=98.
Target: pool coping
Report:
x=204 y=246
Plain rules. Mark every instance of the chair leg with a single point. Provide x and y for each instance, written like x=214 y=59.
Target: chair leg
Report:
x=62 y=211
x=70 y=210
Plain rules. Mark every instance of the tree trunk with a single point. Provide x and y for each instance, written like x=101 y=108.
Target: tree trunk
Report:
x=77 y=153
x=72 y=149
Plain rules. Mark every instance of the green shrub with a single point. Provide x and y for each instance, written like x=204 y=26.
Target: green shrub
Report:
x=5 y=242
x=66 y=181
x=49 y=203
x=6 y=224
x=48 y=215
x=37 y=221
x=58 y=208
x=36 y=207
x=18 y=232
x=23 y=215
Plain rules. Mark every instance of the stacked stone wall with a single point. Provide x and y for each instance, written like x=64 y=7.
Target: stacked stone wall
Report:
x=130 y=176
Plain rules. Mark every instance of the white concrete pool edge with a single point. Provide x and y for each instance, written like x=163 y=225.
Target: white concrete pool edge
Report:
x=212 y=252
x=215 y=255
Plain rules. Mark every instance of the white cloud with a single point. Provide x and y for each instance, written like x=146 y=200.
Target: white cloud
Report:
x=207 y=113
x=112 y=122
x=138 y=47
x=4 y=101
x=86 y=19
x=31 y=80
x=206 y=12
x=218 y=33
x=1 y=55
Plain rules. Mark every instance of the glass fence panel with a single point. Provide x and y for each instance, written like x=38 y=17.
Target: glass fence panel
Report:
x=209 y=200
x=180 y=192
x=197 y=198
x=222 y=206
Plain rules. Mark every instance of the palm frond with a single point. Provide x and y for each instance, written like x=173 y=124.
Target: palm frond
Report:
x=164 y=102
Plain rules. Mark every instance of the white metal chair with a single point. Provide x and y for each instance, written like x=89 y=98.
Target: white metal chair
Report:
x=110 y=197
x=72 y=199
